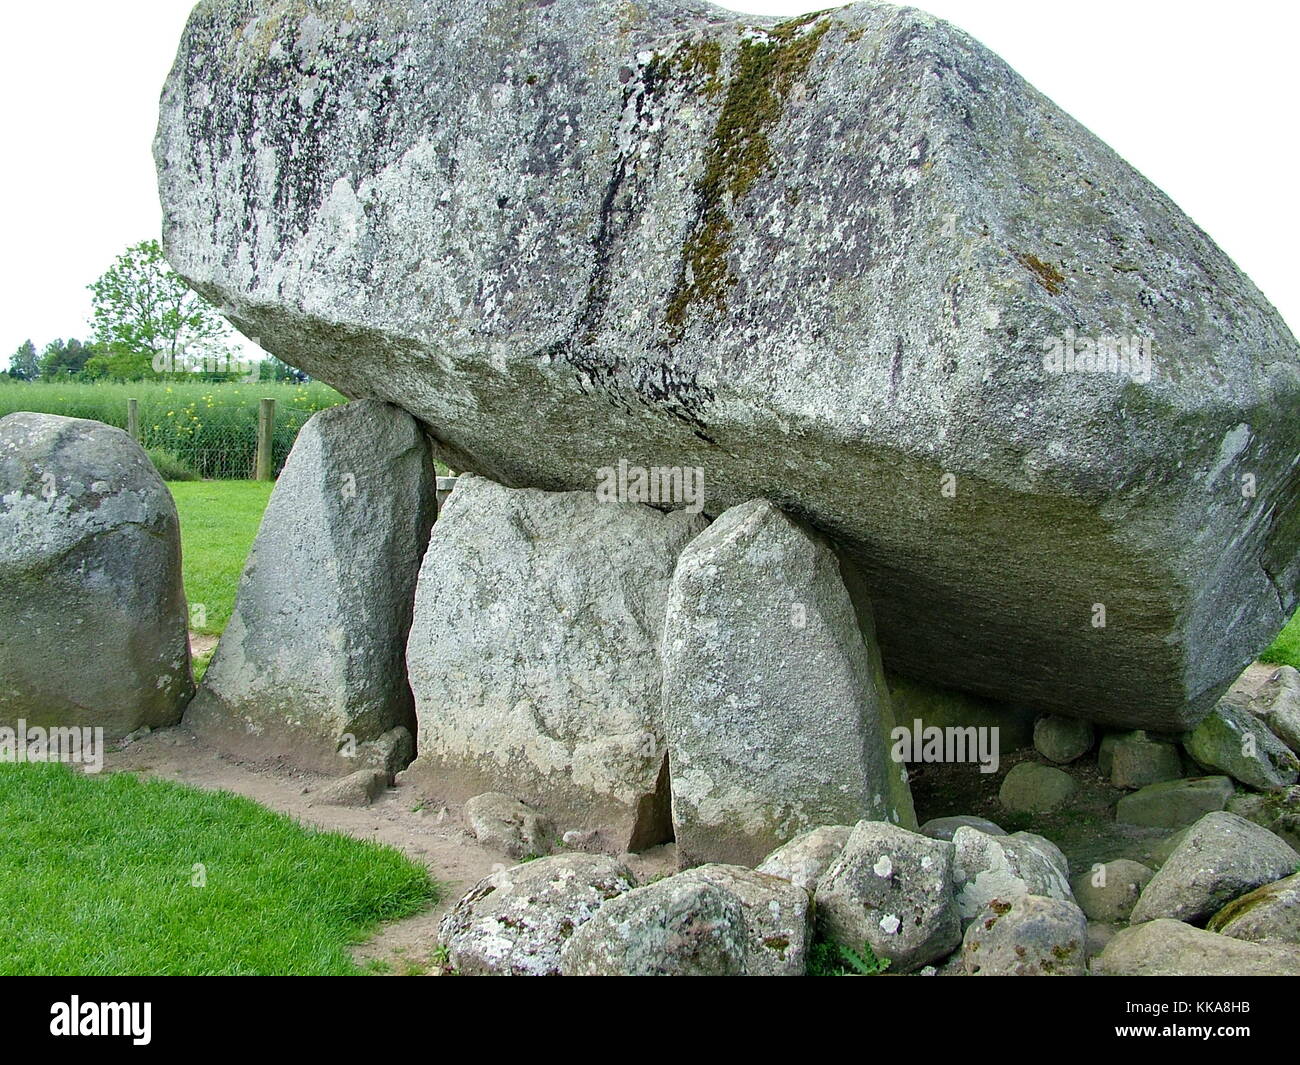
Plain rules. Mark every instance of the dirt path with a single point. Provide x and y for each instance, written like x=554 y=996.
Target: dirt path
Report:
x=434 y=837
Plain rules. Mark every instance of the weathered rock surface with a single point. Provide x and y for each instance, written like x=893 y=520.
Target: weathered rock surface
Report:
x=1174 y=803
x=946 y=827
x=1236 y=742
x=1278 y=811
x=356 y=789
x=775 y=703
x=1220 y=858
x=1062 y=739
x=1278 y=706
x=682 y=926
x=1031 y=787
x=515 y=922
x=499 y=821
x=1109 y=891
x=1134 y=759
x=92 y=612
x=893 y=889
x=1027 y=936
x=534 y=656
x=805 y=858
x=310 y=668
x=829 y=260
x=1269 y=914
x=1003 y=868
x=778 y=918
x=1171 y=948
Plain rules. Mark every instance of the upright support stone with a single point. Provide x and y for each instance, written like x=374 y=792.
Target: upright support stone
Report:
x=775 y=703
x=310 y=669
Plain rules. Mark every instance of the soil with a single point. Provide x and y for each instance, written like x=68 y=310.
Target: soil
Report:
x=433 y=837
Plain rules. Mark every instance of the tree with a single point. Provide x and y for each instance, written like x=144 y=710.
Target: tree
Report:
x=145 y=315
x=23 y=363
x=65 y=359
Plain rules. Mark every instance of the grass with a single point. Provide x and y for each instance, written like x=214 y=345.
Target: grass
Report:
x=119 y=875
x=218 y=522
x=211 y=428
x=1285 y=650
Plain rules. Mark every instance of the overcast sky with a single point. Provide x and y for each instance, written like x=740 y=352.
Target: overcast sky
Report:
x=1200 y=97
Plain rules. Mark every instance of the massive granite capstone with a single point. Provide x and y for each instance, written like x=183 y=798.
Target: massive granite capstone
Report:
x=827 y=260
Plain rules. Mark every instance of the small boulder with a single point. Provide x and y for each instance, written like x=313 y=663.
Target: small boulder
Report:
x=1028 y=936
x=92 y=612
x=892 y=889
x=945 y=827
x=356 y=789
x=1164 y=947
x=1174 y=803
x=506 y=824
x=1220 y=858
x=805 y=858
x=987 y=867
x=778 y=918
x=1269 y=914
x=1278 y=706
x=681 y=926
x=515 y=922
x=1235 y=742
x=1134 y=760
x=1032 y=788
x=1108 y=892
x=1062 y=739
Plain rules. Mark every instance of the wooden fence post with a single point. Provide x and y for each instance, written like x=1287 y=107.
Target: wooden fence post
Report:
x=265 y=425
x=133 y=419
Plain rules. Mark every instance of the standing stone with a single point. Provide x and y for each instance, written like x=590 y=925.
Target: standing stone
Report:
x=775 y=703
x=310 y=668
x=1027 y=936
x=682 y=926
x=1220 y=858
x=534 y=656
x=1235 y=742
x=516 y=921
x=892 y=889
x=1062 y=739
x=92 y=612
x=824 y=259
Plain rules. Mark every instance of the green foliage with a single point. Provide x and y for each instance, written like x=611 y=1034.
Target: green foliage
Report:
x=63 y=359
x=219 y=520
x=170 y=467
x=826 y=958
x=23 y=363
x=117 y=875
x=211 y=428
x=143 y=308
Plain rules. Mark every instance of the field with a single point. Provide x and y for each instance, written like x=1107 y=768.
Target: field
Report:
x=211 y=428
x=117 y=875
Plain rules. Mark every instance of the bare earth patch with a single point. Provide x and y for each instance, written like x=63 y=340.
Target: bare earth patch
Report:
x=432 y=836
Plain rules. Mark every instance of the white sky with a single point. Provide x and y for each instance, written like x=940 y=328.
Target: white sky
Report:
x=1199 y=96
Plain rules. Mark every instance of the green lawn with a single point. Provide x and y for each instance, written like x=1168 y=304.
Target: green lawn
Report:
x=218 y=522
x=105 y=875
x=1285 y=650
